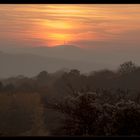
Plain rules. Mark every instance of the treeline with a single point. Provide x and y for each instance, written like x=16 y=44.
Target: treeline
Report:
x=126 y=77
x=101 y=103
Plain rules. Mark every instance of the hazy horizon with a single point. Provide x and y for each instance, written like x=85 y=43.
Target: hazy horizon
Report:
x=55 y=36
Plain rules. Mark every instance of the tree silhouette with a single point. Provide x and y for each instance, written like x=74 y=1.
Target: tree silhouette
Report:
x=127 y=67
x=126 y=119
x=82 y=113
x=1 y=86
x=42 y=78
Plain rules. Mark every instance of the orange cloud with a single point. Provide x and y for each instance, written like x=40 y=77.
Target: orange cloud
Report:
x=55 y=23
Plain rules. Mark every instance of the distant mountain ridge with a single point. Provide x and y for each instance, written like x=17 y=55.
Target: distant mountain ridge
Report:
x=31 y=60
x=13 y=64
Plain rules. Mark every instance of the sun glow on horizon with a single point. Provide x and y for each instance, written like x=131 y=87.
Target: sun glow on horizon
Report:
x=56 y=31
x=80 y=24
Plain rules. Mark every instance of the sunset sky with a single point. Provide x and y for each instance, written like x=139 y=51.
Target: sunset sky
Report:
x=78 y=24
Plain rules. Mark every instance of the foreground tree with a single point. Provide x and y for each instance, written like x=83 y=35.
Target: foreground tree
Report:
x=81 y=114
x=126 y=119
